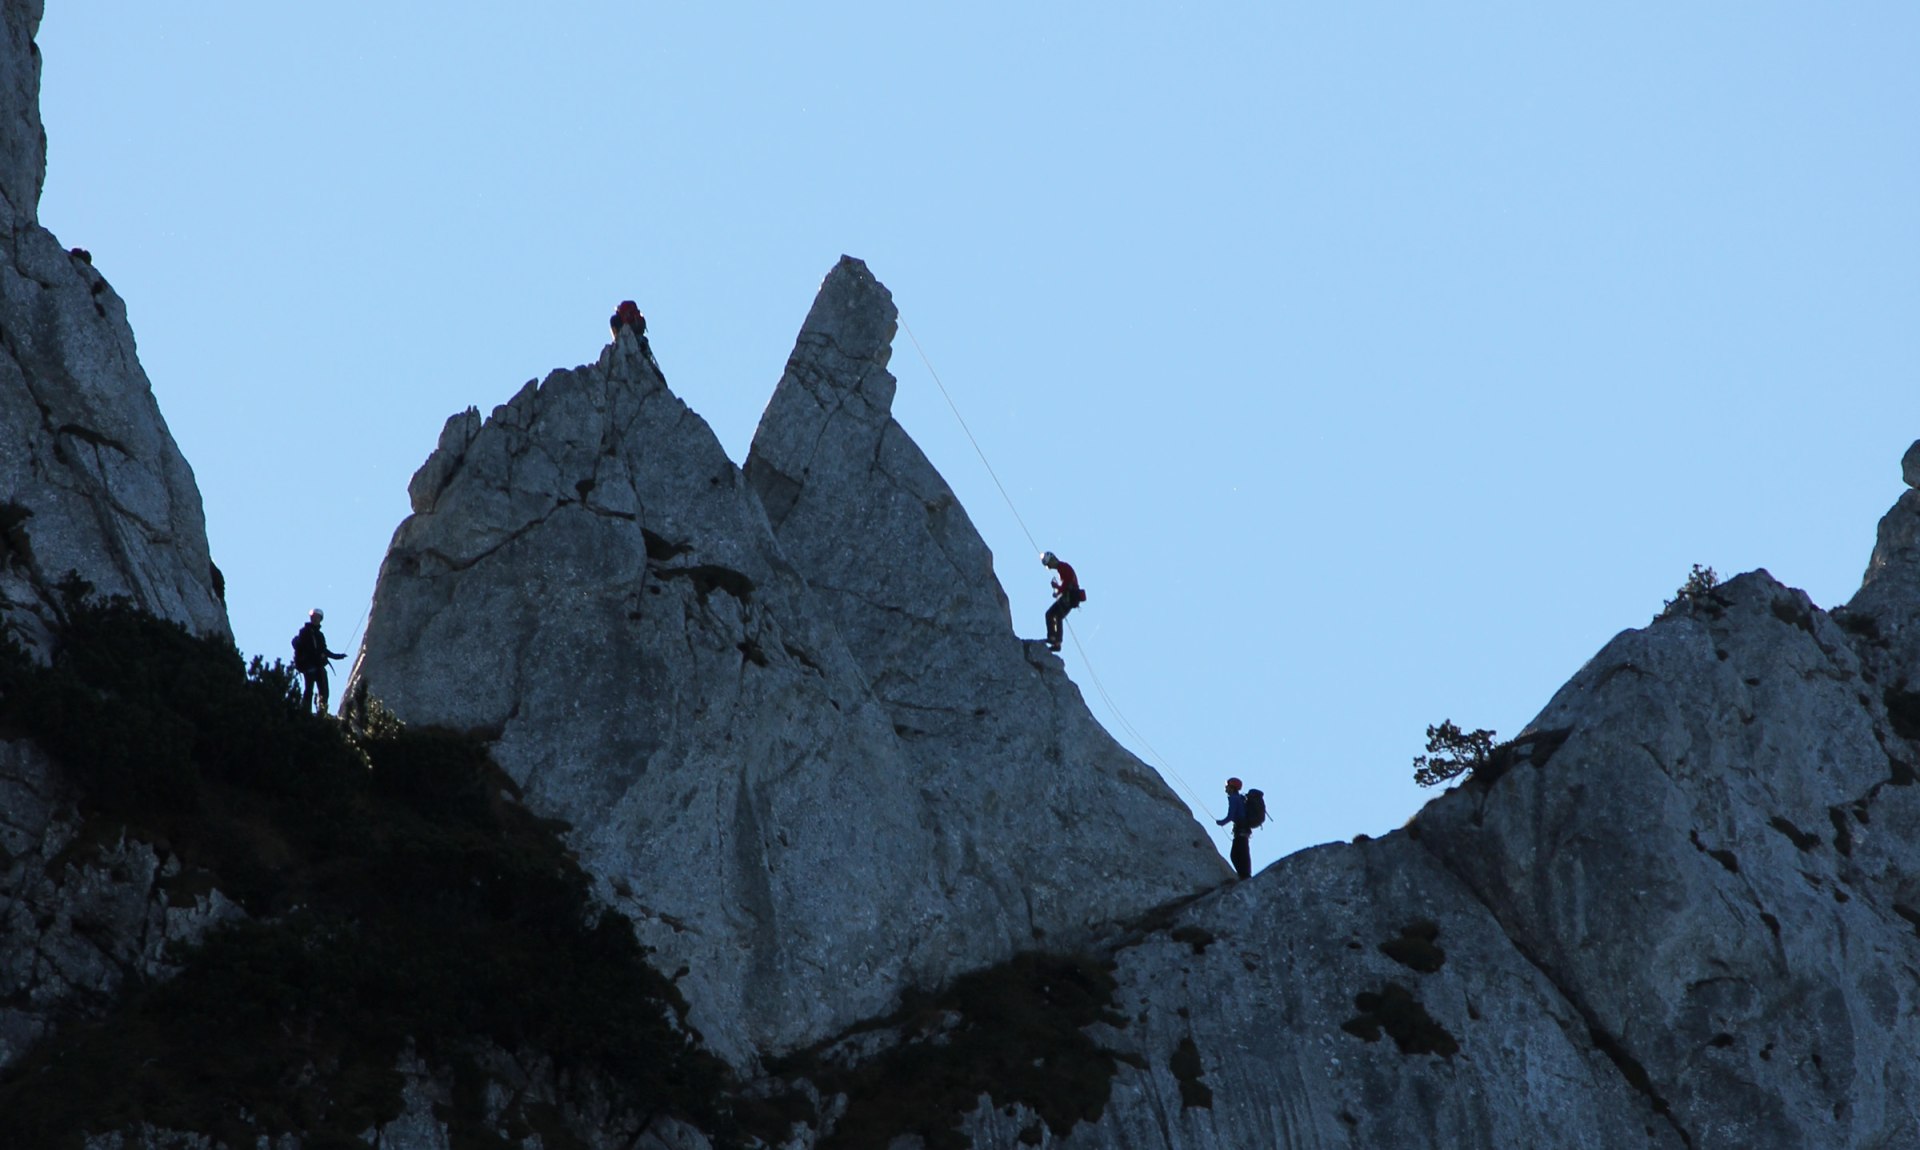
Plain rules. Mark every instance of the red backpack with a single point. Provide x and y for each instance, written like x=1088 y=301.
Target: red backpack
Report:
x=628 y=313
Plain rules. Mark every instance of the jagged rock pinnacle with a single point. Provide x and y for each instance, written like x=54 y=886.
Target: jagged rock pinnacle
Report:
x=90 y=479
x=588 y=578
x=1887 y=606
x=23 y=142
x=907 y=581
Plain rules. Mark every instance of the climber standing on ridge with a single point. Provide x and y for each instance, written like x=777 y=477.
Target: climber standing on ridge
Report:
x=1066 y=596
x=1245 y=812
x=628 y=315
x=310 y=655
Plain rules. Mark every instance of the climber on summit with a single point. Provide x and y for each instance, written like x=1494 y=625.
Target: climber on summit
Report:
x=1245 y=812
x=1066 y=596
x=628 y=315
x=310 y=655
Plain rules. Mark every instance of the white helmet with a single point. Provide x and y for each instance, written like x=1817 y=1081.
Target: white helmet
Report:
x=1048 y=559
x=316 y=614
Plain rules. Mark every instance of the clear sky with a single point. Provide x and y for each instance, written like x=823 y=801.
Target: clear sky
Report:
x=1374 y=364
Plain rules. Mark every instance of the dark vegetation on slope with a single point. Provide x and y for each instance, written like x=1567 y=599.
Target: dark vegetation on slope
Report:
x=1014 y=1032
x=398 y=896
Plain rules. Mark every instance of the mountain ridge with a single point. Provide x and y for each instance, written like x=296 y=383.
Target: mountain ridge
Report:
x=912 y=894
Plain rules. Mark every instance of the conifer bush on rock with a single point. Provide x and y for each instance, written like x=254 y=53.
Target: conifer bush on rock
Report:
x=402 y=904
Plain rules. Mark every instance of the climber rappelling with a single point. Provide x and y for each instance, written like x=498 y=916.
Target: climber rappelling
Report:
x=1066 y=596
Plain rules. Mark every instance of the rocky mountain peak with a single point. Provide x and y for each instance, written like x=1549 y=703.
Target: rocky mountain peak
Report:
x=898 y=568
x=90 y=479
x=23 y=142
x=1887 y=606
x=587 y=578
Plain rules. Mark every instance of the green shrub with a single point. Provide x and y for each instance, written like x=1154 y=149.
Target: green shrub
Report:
x=1015 y=1032
x=399 y=895
x=1697 y=591
x=1451 y=753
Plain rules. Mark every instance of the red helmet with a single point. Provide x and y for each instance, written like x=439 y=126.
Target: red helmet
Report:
x=1233 y=784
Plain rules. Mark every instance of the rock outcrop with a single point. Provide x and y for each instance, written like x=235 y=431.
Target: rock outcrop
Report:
x=1350 y=995
x=90 y=479
x=1048 y=811
x=1679 y=910
x=1886 y=610
x=90 y=483
x=785 y=713
x=81 y=908
x=588 y=577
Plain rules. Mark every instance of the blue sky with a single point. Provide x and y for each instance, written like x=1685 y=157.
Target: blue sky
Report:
x=1373 y=366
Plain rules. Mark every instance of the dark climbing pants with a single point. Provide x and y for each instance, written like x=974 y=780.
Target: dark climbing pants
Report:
x=1057 y=619
x=315 y=679
x=1242 y=858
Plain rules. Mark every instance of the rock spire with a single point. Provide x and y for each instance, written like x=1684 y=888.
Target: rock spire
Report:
x=986 y=721
x=588 y=578
x=90 y=479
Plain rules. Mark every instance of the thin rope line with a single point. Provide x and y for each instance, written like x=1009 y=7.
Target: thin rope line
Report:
x=970 y=439
x=359 y=627
x=359 y=653
x=1165 y=767
x=1160 y=761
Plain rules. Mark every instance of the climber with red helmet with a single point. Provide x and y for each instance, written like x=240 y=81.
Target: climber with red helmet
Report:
x=628 y=316
x=1066 y=596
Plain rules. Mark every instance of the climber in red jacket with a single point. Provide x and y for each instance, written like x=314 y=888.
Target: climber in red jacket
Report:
x=628 y=316
x=1066 y=596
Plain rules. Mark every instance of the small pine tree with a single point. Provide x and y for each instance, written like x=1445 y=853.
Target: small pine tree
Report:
x=1697 y=589
x=1451 y=753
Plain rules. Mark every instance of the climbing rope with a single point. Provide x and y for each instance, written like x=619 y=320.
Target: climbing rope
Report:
x=353 y=669
x=1159 y=761
x=354 y=642
x=970 y=439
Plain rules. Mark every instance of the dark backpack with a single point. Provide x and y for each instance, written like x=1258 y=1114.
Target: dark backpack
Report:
x=303 y=648
x=1256 y=812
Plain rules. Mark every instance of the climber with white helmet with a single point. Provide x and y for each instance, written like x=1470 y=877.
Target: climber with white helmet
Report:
x=1066 y=596
x=310 y=655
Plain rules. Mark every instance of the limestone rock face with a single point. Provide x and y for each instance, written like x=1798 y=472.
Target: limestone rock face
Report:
x=23 y=142
x=592 y=578
x=90 y=482
x=1060 y=817
x=90 y=478
x=1681 y=911
x=78 y=915
x=1713 y=866
x=586 y=574
x=1270 y=1015
x=806 y=808
x=1886 y=611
